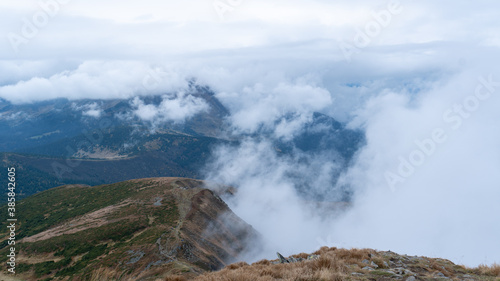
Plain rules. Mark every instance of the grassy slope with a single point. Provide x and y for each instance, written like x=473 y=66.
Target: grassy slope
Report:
x=142 y=229
x=354 y=264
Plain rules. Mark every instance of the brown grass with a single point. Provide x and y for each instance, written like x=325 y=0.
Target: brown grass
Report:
x=331 y=265
x=493 y=270
x=176 y=278
x=106 y=274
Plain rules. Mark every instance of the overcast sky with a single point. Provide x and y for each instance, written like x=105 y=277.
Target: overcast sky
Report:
x=395 y=69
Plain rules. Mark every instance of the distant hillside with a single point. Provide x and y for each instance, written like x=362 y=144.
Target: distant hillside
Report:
x=140 y=228
x=155 y=155
x=93 y=142
x=29 y=126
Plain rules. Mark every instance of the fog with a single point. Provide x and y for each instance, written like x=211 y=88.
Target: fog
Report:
x=425 y=183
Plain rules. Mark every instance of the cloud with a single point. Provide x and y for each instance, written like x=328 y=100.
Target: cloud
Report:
x=260 y=107
x=442 y=202
x=90 y=109
x=95 y=80
x=267 y=198
x=173 y=108
x=443 y=205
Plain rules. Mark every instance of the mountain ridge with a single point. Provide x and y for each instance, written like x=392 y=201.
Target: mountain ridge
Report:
x=143 y=226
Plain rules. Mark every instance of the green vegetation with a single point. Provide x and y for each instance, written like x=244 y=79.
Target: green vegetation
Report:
x=153 y=155
x=128 y=226
x=59 y=204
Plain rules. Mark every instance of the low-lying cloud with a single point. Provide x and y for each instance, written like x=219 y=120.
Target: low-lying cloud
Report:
x=267 y=195
x=174 y=108
x=90 y=109
x=441 y=145
x=259 y=108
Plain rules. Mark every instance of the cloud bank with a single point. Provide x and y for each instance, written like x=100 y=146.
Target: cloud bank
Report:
x=425 y=183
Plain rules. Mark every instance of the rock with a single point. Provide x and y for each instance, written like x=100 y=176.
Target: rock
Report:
x=368 y=268
x=374 y=265
x=136 y=256
x=313 y=257
x=411 y=278
x=357 y=273
x=386 y=264
x=366 y=261
x=441 y=275
x=281 y=258
x=399 y=270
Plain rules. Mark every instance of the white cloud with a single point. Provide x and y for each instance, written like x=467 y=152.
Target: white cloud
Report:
x=443 y=206
x=261 y=107
x=267 y=197
x=173 y=108
x=91 y=109
x=95 y=80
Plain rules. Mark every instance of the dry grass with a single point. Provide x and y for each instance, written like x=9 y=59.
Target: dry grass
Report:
x=106 y=274
x=331 y=265
x=493 y=270
x=176 y=278
x=338 y=264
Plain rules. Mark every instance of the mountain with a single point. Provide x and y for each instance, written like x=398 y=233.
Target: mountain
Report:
x=141 y=228
x=94 y=142
x=27 y=127
x=57 y=142
x=176 y=229
x=155 y=156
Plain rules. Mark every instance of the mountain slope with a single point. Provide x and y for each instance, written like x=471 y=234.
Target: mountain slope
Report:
x=354 y=264
x=157 y=155
x=93 y=142
x=28 y=126
x=141 y=228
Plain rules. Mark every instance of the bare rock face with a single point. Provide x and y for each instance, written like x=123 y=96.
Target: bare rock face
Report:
x=212 y=235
